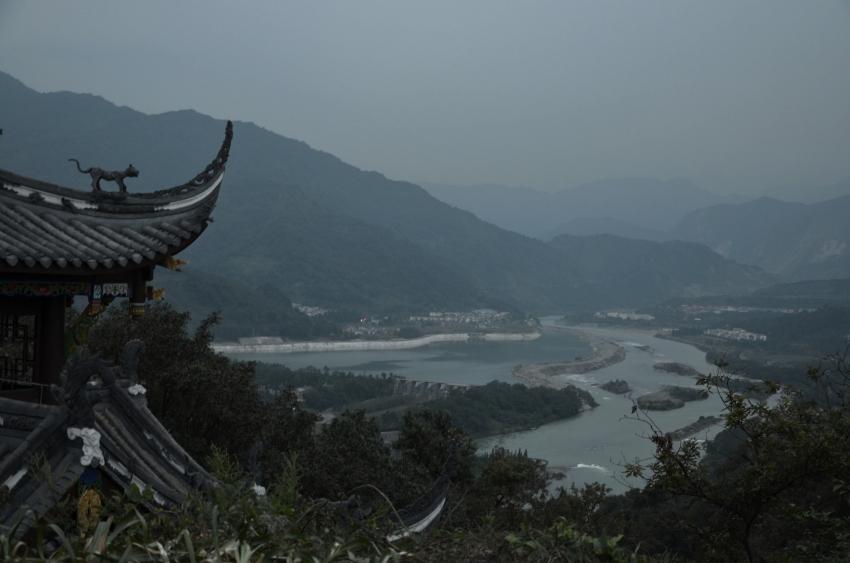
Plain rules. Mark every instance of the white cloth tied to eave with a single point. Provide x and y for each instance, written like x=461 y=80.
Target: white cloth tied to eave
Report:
x=91 y=444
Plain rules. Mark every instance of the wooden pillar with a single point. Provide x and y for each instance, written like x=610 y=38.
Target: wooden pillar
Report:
x=140 y=292
x=50 y=344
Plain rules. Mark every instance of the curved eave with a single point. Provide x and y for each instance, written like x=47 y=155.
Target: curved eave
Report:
x=108 y=205
x=45 y=239
x=114 y=203
x=51 y=230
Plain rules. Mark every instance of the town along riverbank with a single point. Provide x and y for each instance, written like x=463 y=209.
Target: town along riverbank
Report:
x=605 y=353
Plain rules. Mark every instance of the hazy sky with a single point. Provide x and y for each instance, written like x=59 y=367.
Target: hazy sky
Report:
x=736 y=96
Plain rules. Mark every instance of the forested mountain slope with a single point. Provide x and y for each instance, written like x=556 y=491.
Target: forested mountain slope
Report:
x=279 y=236
x=244 y=311
x=522 y=270
x=814 y=293
x=647 y=271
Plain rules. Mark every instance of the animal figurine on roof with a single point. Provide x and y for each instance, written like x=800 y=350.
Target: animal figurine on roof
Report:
x=117 y=176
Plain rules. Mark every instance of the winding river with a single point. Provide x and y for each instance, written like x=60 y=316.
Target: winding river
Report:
x=589 y=447
x=593 y=445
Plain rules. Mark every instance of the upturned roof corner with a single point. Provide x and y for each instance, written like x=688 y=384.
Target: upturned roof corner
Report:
x=45 y=228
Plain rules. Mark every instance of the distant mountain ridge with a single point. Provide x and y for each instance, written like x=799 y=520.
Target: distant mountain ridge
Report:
x=805 y=239
x=631 y=203
x=809 y=194
x=589 y=226
x=320 y=230
x=629 y=207
x=648 y=270
x=795 y=240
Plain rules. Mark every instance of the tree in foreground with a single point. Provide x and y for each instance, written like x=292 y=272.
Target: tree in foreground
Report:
x=774 y=483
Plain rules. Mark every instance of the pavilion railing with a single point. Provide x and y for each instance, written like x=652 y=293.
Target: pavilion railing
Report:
x=8 y=387
x=17 y=348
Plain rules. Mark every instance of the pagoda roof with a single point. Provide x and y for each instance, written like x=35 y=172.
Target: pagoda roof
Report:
x=103 y=424
x=50 y=229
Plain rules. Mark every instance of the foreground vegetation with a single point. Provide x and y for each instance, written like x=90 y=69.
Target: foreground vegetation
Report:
x=324 y=389
x=499 y=408
x=235 y=525
x=486 y=410
x=772 y=486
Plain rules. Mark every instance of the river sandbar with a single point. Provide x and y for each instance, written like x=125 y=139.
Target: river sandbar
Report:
x=605 y=353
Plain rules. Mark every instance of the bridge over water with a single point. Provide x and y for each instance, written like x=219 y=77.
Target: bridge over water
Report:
x=428 y=389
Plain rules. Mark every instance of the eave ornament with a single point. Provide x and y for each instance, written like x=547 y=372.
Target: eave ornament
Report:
x=173 y=263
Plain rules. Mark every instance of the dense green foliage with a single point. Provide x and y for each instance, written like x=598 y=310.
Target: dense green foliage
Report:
x=206 y=401
x=774 y=484
x=173 y=366
x=499 y=408
x=815 y=333
x=675 y=367
x=409 y=332
x=325 y=389
x=616 y=386
x=244 y=311
x=794 y=341
x=240 y=527
x=670 y=397
x=807 y=333
x=495 y=408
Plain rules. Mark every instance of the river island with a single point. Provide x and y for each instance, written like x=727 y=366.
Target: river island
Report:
x=605 y=353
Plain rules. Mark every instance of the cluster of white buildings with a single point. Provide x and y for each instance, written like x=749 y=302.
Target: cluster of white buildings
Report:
x=736 y=334
x=479 y=316
x=309 y=311
x=367 y=330
x=625 y=315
